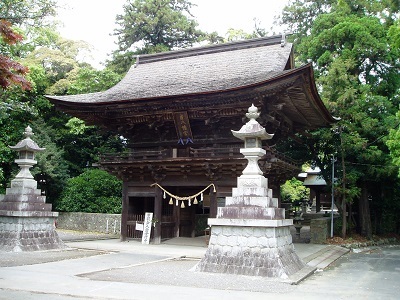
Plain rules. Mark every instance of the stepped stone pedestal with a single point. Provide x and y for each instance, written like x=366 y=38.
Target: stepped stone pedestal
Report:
x=26 y=221
x=250 y=235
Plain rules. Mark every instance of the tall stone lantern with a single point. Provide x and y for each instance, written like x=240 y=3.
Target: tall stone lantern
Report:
x=250 y=235
x=26 y=220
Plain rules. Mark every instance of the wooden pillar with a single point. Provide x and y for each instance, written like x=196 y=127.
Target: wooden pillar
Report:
x=177 y=219
x=124 y=214
x=213 y=203
x=157 y=215
x=193 y=218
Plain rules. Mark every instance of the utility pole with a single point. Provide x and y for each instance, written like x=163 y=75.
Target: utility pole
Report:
x=344 y=205
x=333 y=191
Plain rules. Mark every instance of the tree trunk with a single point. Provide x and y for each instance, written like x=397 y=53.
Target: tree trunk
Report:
x=365 y=217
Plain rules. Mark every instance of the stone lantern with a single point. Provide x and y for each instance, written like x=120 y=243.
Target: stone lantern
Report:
x=26 y=220
x=26 y=158
x=317 y=185
x=250 y=235
x=252 y=133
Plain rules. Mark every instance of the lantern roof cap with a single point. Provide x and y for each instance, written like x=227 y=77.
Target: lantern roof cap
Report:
x=252 y=128
x=27 y=144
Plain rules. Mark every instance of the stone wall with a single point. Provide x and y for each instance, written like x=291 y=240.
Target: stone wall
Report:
x=320 y=230
x=90 y=222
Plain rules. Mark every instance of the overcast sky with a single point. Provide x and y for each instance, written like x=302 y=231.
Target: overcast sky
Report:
x=94 y=20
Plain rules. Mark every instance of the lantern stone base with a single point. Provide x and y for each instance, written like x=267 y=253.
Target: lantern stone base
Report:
x=28 y=231
x=26 y=221
x=251 y=249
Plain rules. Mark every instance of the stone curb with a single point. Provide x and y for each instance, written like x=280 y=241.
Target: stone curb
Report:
x=387 y=241
x=299 y=276
x=317 y=261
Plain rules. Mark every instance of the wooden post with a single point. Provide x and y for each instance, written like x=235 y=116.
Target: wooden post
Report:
x=157 y=215
x=213 y=203
x=177 y=218
x=124 y=214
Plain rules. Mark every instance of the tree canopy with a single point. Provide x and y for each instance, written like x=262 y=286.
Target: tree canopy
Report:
x=151 y=26
x=352 y=44
x=11 y=71
x=53 y=68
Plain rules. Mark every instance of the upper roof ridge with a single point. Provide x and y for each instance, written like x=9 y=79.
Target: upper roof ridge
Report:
x=209 y=49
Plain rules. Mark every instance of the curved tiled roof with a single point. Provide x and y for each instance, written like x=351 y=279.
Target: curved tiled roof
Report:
x=197 y=70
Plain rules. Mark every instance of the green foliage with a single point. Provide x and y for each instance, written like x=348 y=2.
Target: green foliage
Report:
x=50 y=163
x=293 y=190
x=94 y=191
x=89 y=80
x=82 y=148
x=240 y=34
x=394 y=35
x=155 y=23
x=14 y=116
x=27 y=12
x=393 y=143
x=353 y=45
x=152 y=26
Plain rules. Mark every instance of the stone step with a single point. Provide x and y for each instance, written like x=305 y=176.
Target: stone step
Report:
x=324 y=257
x=244 y=200
x=251 y=212
x=25 y=206
x=36 y=197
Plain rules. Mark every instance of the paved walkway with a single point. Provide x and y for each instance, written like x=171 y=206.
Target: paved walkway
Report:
x=97 y=268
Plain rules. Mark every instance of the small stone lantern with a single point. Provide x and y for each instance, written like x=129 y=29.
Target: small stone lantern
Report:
x=26 y=148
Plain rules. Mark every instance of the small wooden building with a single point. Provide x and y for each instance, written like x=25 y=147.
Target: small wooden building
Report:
x=177 y=109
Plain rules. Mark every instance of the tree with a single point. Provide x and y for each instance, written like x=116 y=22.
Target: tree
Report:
x=152 y=26
x=357 y=71
x=29 y=13
x=31 y=19
x=94 y=191
x=51 y=171
x=15 y=82
x=11 y=72
x=89 y=80
x=293 y=190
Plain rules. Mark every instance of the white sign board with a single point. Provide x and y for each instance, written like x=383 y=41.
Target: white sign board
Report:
x=139 y=226
x=147 y=228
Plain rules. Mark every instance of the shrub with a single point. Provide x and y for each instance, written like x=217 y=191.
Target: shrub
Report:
x=94 y=191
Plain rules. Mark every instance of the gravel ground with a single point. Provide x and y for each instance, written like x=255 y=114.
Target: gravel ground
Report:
x=73 y=235
x=12 y=259
x=178 y=272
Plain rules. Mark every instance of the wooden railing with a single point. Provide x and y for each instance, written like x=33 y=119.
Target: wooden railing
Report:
x=215 y=152
x=230 y=152
x=136 y=155
x=167 y=153
x=167 y=227
x=131 y=224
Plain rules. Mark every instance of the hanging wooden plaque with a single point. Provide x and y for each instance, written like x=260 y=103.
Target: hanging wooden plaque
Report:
x=183 y=129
